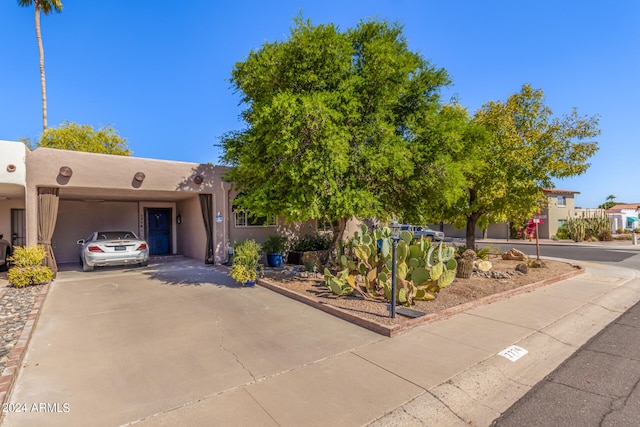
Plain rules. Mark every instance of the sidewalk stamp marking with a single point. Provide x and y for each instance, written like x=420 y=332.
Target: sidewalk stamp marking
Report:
x=513 y=353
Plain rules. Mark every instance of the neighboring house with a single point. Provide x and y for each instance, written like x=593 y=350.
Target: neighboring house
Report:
x=560 y=207
x=55 y=197
x=624 y=216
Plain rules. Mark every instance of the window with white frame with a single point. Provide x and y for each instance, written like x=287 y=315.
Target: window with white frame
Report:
x=245 y=219
x=562 y=201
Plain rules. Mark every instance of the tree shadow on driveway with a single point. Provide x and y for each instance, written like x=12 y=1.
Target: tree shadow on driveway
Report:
x=191 y=275
x=177 y=271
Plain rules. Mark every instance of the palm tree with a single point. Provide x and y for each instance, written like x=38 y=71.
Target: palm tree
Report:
x=609 y=203
x=46 y=6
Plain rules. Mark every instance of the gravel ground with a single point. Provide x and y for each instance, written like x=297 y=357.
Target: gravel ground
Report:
x=15 y=306
x=501 y=278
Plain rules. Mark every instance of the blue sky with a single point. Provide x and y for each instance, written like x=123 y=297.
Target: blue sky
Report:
x=160 y=76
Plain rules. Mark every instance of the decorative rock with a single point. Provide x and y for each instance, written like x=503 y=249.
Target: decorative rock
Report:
x=514 y=254
x=522 y=268
x=15 y=307
x=538 y=264
x=484 y=266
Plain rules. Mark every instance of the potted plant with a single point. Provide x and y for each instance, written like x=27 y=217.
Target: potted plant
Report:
x=274 y=247
x=245 y=265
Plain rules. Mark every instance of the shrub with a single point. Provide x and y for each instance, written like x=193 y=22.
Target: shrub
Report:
x=605 y=235
x=246 y=257
x=28 y=268
x=311 y=243
x=562 y=233
x=275 y=244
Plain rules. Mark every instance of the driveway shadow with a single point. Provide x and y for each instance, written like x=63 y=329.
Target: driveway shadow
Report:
x=191 y=275
x=175 y=271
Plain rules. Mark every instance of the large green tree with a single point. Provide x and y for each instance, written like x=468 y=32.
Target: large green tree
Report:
x=510 y=151
x=72 y=136
x=330 y=117
x=46 y=7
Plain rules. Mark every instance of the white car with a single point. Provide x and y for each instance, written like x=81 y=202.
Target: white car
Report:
x=424 y=232
x=106 y=248
x=5 y=253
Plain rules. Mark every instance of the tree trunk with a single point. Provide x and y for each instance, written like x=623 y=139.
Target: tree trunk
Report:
x=471 y=232
x=338 y=232
x=42 y=79
x=472 y=220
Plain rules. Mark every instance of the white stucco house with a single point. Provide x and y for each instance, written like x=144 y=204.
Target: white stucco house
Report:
x=624 y=216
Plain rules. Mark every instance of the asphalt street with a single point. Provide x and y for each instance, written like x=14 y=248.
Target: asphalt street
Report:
x=598 y=386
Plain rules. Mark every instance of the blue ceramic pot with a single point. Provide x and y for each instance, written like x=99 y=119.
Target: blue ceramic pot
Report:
x=274 y=260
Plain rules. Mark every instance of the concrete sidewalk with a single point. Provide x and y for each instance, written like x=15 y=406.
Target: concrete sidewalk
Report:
x=179 y=344
x=598 y=386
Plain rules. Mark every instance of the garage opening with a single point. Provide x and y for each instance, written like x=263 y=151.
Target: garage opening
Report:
x=158 y=226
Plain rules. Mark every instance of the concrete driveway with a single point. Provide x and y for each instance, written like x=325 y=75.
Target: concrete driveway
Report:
x=119 y=345
x=179 y=344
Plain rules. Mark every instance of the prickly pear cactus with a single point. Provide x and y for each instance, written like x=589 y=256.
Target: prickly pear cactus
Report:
x=422 y=269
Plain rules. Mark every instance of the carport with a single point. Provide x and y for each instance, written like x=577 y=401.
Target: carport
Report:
x=71 y=194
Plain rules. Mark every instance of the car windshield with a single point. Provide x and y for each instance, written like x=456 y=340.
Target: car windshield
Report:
x=115 y=235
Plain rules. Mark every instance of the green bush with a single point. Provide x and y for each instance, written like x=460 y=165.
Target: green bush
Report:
x=246 y=257
x=28 y=268
x=562 y=233
x=275 y=245
x=311 y=243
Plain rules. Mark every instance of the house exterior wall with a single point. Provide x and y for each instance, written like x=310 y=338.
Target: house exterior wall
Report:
x=13 y=181
x=191 y=238
x=556 y=213
x=106 y=180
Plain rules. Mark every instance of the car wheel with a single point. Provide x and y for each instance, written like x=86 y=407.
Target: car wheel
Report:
x=144 y=264
x=86 y=267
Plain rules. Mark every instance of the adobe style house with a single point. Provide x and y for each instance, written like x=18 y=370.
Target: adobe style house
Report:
x=56 y=197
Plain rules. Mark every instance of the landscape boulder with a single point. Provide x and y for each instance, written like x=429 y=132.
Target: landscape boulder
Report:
x=514 y=254
x=522 y=268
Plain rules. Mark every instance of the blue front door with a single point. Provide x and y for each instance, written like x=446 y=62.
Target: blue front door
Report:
x=159 y=231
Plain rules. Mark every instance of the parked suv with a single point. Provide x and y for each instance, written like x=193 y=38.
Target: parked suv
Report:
x=424 y=231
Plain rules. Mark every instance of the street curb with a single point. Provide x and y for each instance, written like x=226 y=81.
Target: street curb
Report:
x=391 y=331
x=16 y=356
